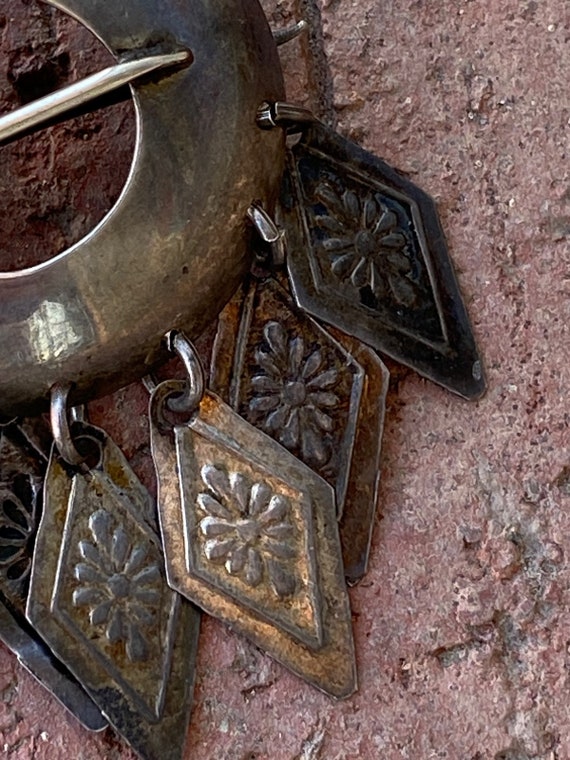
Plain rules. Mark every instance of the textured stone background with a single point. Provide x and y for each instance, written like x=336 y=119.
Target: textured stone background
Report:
x=463 y=623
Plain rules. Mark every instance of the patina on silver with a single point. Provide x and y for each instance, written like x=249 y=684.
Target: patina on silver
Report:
x=24 y=454
x=317 y=391
x=177 y=239
x=250 y=535
x=99 y=596
x=367 y=255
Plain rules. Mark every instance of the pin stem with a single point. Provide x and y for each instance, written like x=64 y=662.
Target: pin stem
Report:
x=77 y=94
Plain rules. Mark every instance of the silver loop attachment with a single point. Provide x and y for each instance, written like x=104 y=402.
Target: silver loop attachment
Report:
x=282 y=36
x=59 y=417
x=78 y=413
x=150 y=383
x=269 y=232
x=280 y=114
x=189 y=401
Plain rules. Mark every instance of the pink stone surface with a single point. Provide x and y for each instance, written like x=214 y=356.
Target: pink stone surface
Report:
x=462 y=625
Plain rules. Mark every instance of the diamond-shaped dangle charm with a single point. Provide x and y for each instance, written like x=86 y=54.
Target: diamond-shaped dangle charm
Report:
x=250 y=533
x=99 y=596
x=24 y=452
x=291 y=378
x=366 y=253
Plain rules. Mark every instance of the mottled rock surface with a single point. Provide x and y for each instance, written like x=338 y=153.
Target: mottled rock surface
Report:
x=463 y=623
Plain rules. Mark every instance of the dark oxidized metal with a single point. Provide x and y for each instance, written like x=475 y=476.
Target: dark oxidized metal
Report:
x=24 y=451
x=250 y=535
x=366 y=253
x=23 y=462
x=178 y=237
x=358 y=516
x=99 y=598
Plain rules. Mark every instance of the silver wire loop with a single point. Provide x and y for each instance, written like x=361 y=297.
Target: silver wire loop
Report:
x=150 y=383
x=269 y=233
x=280 y=114
x=282 y=36
x=78 y=413
x=190 y=400
x=59 y=417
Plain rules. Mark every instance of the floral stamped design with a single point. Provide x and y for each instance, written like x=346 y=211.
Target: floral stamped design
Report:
x=17 y=527
x=246 y=528
x=294 y=394
x=120 y=583
x=367 y=246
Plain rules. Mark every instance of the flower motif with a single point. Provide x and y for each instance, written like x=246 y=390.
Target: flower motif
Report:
x=367 y=245
x=246 y=529
x=294 y=395
x=17 y=527
x=118 y=585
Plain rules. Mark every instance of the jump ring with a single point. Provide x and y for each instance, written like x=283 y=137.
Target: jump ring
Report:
x=60 y=425
x=196 y=384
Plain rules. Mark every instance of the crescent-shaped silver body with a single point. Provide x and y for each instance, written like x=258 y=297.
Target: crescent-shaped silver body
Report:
x=176 y=244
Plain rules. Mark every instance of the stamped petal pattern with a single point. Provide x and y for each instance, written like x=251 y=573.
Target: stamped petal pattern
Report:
x=366 y=246
x=247 y=525
x=17 y=527
x=117 y=584
x=302 y=389
x=294 y=391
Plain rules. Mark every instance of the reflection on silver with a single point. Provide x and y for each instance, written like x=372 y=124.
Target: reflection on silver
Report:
x=281 y=114
x=269 y=233
x=51 y=332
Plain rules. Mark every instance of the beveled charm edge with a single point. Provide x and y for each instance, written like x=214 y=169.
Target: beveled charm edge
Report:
x=331 y=667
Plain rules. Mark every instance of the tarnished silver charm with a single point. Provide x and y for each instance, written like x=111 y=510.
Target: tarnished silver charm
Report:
x=289 y=377
x=250 y=535
x=358 y=516
x=366 y=253
x=99 y=597
x=293 y=380
x=24 y=451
